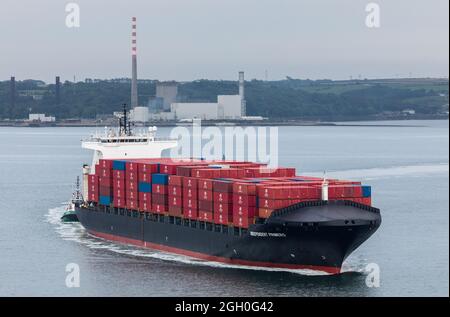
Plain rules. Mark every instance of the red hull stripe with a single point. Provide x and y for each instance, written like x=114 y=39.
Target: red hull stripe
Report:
x=206 y=257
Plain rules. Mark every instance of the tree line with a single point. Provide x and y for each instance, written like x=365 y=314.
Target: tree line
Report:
x=274 y=99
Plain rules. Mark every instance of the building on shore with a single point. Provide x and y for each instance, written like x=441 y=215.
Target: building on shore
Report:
x=40 y=117
x=227 y=107
x=168 y=93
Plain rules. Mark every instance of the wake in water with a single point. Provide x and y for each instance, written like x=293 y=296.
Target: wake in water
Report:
x=75 y=232
x=389 y=172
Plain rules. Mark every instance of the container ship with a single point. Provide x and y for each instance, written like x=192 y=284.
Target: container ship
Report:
x=240 y=213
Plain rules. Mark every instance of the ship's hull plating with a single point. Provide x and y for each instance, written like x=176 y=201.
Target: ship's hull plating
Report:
x=316 y=237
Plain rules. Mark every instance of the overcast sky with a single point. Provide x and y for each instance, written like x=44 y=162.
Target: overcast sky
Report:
x=214 y=39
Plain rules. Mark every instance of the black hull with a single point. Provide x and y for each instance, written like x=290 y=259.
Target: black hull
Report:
x=317 y=236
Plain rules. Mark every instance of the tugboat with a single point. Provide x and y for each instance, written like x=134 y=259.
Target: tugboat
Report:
x=70 y=214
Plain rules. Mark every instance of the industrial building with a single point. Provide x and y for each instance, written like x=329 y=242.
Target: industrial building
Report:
x=168 y=92
x=40 y=117
x=227 y=107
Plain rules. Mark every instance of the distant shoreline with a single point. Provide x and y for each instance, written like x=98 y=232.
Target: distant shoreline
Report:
x=340 y=122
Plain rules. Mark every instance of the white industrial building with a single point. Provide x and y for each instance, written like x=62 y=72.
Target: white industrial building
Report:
x=227 y=107
x=40 y=117
x=139 y=114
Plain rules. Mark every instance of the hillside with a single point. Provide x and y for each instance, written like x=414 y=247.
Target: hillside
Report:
x=290 y=98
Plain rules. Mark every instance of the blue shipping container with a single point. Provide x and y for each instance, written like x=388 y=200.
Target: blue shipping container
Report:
x=119 y=165
x=366 y=191
x=145 y=187
x=160 y=179
x=105 y=200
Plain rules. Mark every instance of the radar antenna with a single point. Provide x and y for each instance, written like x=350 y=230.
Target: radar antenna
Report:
x=124 y=123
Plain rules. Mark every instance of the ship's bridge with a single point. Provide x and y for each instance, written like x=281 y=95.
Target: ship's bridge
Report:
x=114 y=144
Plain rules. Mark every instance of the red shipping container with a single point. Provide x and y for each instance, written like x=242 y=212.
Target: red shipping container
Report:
x=205 y=195
x=132 y=185
x=105 y=163
x=226 y=198
x=103 y=172
x=242 y=222
x=348 y=191
x=119 y=202
x=186 y=171
x=147 y=168
x=175 y=180
x=170 y=169
x=93 y=183
x=175 y=211
x=93 y=188
x=367 y=201
x=189 y=182
x=222 y=218
x=175 y=190
x=132 y=204
x=93 y=196
x=223 y=187
x=145 y=202
x=190 y=203
x=160 y=189
x=92 y=179
x=273 y=192
x=160 y=199
x=132 y=167
x=204 y=215
x=119 y=184
x=364 y=200
x=336 y=192
x=131 y=176
x=175 y=201
x=264 y=213
x=105 y=191
x=207 y=173
x=205 y=184
x=244 y=188
x=277 y=203
x=145 y=177
x=244 y=200
x=158 y=208
x=284 y=172
x=118 y=174
x=223 y=208
x=358 y=192
x=191 y=213
x=132 y=195
x=247 y=212
x=119 y=193
x=205 y=205
x=190 y=193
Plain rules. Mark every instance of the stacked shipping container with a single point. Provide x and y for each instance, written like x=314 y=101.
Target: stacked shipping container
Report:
x=225 y=193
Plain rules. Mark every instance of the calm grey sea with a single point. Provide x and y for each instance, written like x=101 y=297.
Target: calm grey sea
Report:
x=408 y=168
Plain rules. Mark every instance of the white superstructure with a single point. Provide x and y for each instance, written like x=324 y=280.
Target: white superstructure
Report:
x=122 y=142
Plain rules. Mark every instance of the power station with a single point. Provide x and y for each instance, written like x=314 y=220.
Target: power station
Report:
x=165 y=106
x=134 y=88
